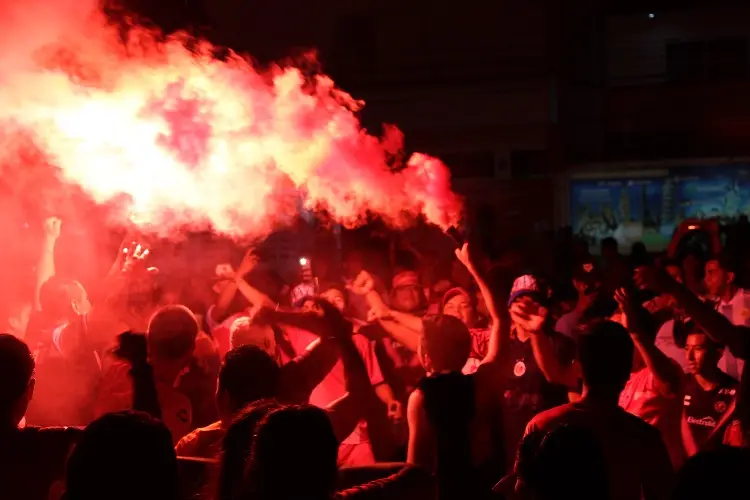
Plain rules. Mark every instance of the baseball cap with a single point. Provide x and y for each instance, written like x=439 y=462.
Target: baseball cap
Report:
x=529 y=285
x=301 y=293
x=453 y=292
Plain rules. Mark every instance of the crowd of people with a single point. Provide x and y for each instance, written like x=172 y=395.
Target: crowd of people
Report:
x=468 y=377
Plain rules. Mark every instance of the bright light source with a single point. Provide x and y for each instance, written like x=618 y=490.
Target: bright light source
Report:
x=692 y=227
x=651 y=15
x=303 y=261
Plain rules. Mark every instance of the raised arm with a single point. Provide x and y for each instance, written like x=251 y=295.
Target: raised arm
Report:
x=533 y=318
x=45 y=268
x=667 y=374
x=462 y=254
x=709 y=319
x=404 y=328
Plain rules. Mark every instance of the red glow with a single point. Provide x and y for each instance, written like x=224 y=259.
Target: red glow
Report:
x=193 y=141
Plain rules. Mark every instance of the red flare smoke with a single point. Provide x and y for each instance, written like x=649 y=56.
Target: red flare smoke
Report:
x=194 y=141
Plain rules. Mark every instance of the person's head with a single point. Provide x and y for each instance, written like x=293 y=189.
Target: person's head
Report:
x=406 y=292
x=63 y=299
x=294 y=455
x=550 y=466
x=247 y=374
x=586 y=277
x=445 y=344
x=17 y=375
x=171 y=336
x=144 y=289
x=308 y=304
x=605 y=351
x=457 y=303
x=530 y=292
x=244 y=332
x=702 y=353
x=673 y=269
x=720 y=473
x=236 y=446
x=609 y=248
x=639 y=254
x=719 y=275
x=335 y=295
x=123 y=456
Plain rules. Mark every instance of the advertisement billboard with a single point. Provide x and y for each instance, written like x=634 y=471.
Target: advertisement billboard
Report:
x=649 y=209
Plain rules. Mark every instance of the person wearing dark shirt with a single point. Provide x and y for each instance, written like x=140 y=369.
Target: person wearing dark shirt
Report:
x=68 y=368
x=248 y=374
x=538 y=364
x=294 y=455
x=31 y=458
x=709 y=394
x=637 y=463
x=123 y=456
x=717 y=327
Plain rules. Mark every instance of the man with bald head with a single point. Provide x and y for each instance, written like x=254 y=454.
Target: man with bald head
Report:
x=171 y=337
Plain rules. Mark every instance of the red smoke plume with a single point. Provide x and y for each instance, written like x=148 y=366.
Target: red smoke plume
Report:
x=193 y=141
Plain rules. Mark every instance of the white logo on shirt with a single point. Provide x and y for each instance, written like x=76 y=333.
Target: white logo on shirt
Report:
x=703 y=422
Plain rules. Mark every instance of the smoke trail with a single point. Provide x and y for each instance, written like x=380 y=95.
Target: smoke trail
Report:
x=192 y=141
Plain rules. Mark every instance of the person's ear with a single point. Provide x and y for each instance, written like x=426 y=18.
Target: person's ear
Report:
x=730 y=277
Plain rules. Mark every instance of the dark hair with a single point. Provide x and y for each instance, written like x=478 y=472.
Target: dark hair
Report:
x=16 y=370
x=727 y=261
x=605 y=352
x=294 y=455
x=696 y=330
x=609 y=242
x=553 y=462
x=123 y=456
x=54 y=297
x=718 y=473
x=670 y=262
x=235 y=448
x=248 y=374
x=172 y=332
x=447 y=341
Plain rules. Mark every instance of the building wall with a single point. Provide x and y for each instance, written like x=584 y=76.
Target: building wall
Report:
x=678 y=84
x=637 y=44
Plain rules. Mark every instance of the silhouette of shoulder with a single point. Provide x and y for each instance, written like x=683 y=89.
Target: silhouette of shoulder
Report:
x=596 y=417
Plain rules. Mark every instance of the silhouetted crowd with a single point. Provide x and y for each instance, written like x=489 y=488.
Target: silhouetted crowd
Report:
x=406 y=372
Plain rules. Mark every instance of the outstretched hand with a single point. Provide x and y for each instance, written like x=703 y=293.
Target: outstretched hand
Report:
x=529 y=315
x=462 y=254
x=52 y=226
x=135 y=256
x=249 y=262
x=363 y=284
x=635 y=315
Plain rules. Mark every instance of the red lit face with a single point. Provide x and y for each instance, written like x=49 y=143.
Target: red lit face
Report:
x=716 y=278
x=701 y=355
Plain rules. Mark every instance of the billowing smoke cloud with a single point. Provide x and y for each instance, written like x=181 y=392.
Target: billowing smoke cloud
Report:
x=193 y=141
